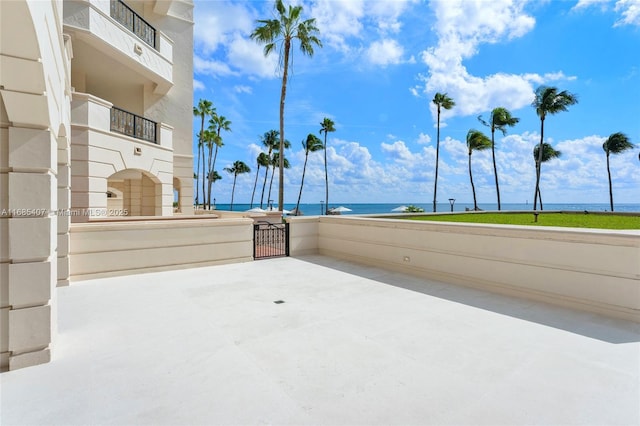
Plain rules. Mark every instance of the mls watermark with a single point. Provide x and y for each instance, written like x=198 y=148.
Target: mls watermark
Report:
x=91 y=212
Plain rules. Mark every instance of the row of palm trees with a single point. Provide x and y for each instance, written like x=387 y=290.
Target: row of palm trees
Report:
x=278 y=34
x=547 y=101
x=209 y=141
x=272 y=158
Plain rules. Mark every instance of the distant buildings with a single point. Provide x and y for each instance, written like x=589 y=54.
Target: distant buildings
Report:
x=95 y=120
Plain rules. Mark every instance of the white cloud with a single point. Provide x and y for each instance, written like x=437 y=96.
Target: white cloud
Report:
x=212 y=68
x=342 y=24
x=217 y=23
x=246 y=55
x=461 y=27
x=583 y=4
x=222 y=32
x=243 y=89
x=399 y=152
x=385 y=52
x=198 y=85
x=630 y=11
x=424 y=139
x=338 y=20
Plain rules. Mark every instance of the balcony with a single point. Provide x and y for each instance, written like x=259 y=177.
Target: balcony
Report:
x=118 y=127
x=110 y=30
x=133 y=125
x=133 y=22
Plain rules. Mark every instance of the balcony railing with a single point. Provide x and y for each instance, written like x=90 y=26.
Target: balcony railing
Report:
x=134 y=22
x=133 y=125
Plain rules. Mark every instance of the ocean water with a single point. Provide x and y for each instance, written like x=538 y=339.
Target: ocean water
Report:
x=373 y=208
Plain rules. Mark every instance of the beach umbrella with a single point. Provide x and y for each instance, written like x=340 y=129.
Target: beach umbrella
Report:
x=296 y=212
x=256 y=210
x=400 y=209
x=285 y=211
x=340 y=209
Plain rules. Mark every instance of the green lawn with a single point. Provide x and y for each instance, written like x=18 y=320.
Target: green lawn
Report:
x=570 y=220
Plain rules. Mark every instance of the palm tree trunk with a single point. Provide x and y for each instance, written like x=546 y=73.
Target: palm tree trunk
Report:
x=539 y=193
x=283 y=94
x=495 y=169
x=264 y=185
x=255 y=184
x=198 y=177
x=539 y=163
x=610 y=187
x=204 y=195
x=208 y=195
x=540 y=198
x=233 y=190
x=326 y=176
x=273 y=172
x=304 y=169
x=473 y=188
x=213 y=167
x=200 y=149
x=435 y=185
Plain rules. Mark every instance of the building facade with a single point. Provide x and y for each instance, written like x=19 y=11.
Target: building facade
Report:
x=95 y=121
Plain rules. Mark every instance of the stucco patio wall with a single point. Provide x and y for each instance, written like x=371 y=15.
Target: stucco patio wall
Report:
x=123 y=247
x=590 y=269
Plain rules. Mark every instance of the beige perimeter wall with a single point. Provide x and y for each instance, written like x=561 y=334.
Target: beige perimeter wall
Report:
x=112 y=248
x=594 y=270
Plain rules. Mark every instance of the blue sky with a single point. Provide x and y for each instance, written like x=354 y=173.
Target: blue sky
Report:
x=381 y=64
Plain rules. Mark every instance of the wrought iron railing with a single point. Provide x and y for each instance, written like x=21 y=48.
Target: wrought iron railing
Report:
x=133 y=22
x=133 y=125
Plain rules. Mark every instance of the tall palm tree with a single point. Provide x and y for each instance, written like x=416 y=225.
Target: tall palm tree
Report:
x=548 y=101
x=615 y=144
x=238 y=168
x=476 y=141
x=499 y=120
x=271 y=141
x=262 y=161
x=283 y=31
x=204 y=109
x=548 y=153
x=326 y=126
x=442 y=101
x=312 y=144
x=218 y=123
x=275 y=161
x=209 y=139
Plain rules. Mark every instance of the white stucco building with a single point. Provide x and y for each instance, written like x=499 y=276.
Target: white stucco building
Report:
x=95 y=120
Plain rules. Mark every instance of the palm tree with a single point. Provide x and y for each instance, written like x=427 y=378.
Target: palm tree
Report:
x=213 y=177
x=203 y=109
x=262 y=161
x=238 y=168
x=476 y=141
x=615 y=144
x=275 y=161
x=209 y=139
x=312 y=144
x=442 y=101
x=548 y=101
x=499 y=120
x=326 y=126
x=218 y=123
x=548 y=153
x=282 y=31
x=271 y=141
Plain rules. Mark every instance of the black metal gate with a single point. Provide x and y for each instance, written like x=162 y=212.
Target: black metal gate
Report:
x=270 y=240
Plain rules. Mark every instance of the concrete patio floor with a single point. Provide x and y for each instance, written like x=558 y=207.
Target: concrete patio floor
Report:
x=350 y=345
